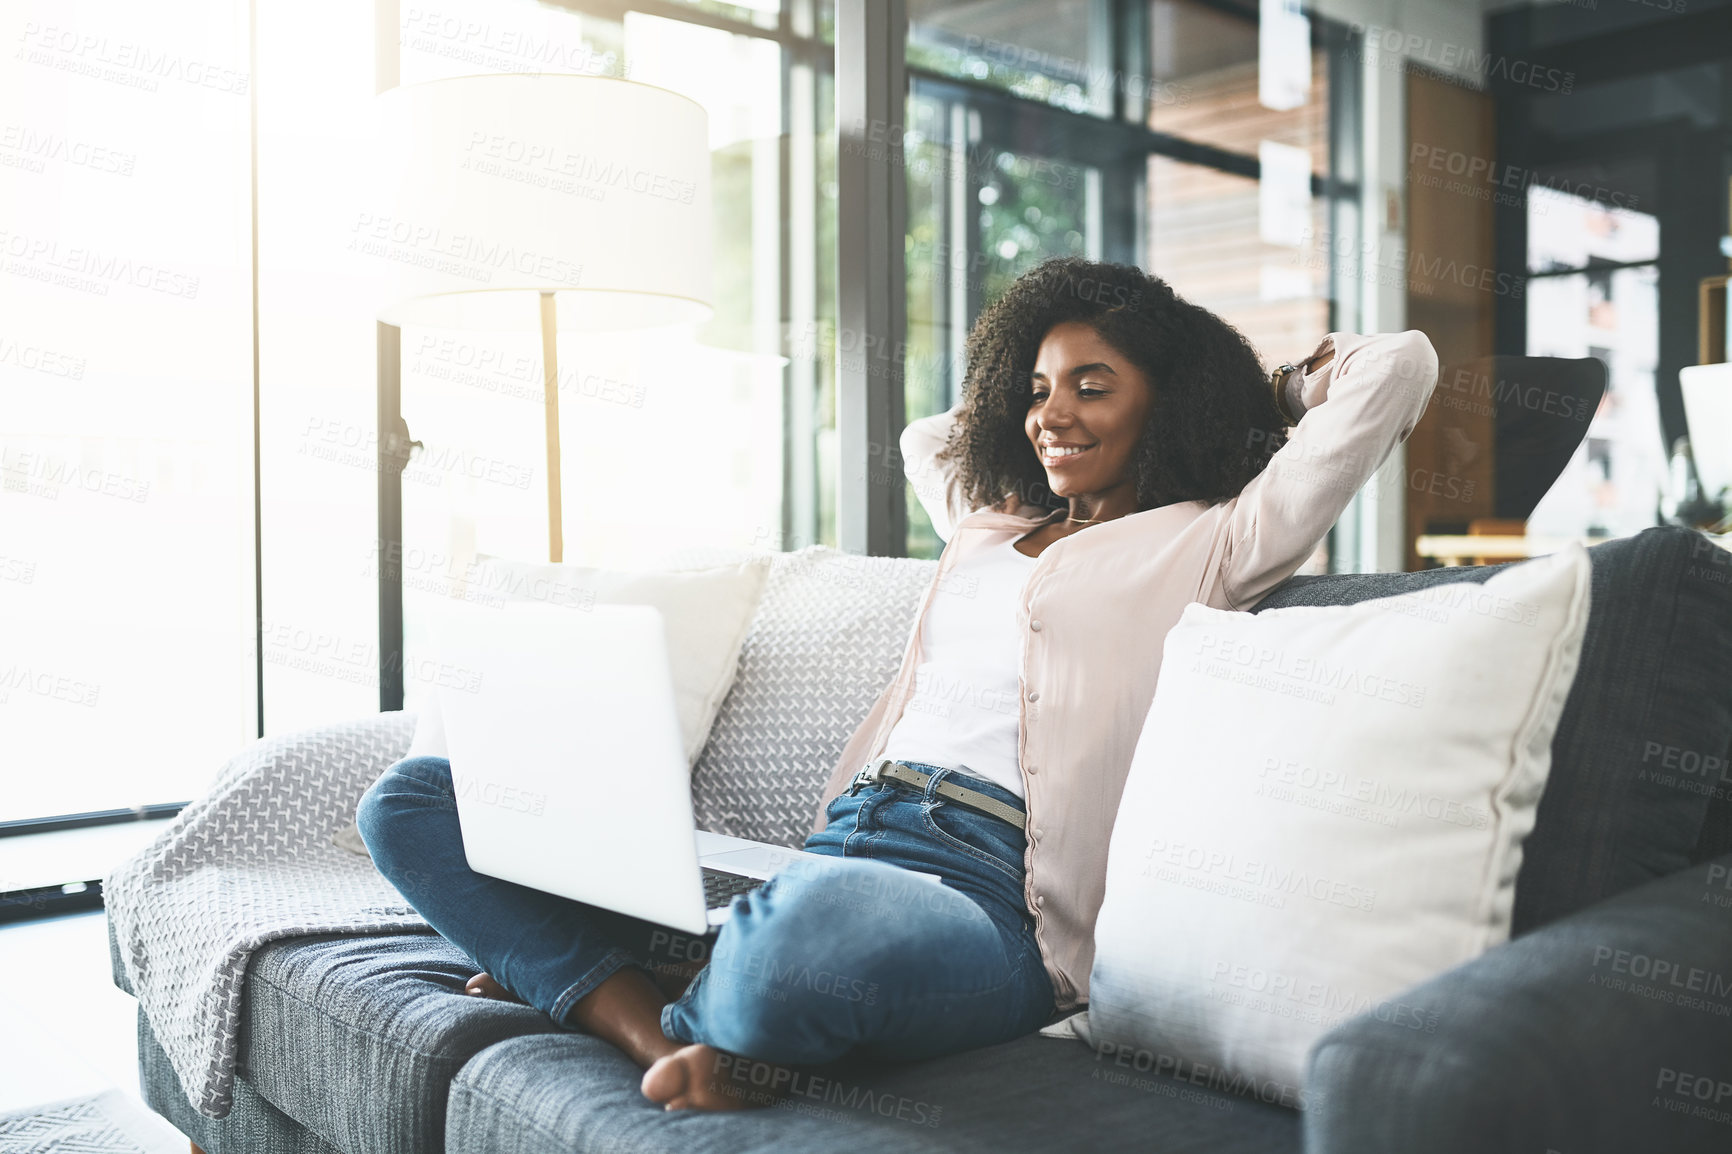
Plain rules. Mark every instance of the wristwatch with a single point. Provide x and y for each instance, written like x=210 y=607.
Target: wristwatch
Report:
x=1278 y=380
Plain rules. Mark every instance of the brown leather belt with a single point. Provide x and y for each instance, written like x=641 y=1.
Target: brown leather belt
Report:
x=887 y=769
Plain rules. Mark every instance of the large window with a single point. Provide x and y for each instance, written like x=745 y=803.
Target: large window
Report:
x=126 y=591
x=318 y=445
x=1593 y=291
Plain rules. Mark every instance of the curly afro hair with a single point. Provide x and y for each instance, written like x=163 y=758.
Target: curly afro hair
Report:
x=1213 y=423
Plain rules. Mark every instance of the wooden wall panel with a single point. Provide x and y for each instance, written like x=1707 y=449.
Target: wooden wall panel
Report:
x=1450 y=455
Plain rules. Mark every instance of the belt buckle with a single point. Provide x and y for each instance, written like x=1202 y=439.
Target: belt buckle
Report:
x=872 y=774
x=868 y=775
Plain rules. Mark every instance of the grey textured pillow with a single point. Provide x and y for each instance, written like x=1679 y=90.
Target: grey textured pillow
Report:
x=828 y=637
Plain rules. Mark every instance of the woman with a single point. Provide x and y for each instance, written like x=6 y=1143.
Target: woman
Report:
x=1117 y=454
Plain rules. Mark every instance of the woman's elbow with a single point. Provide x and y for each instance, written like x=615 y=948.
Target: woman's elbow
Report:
x=1403 y=358
x=1414 y=360
x=1413 y=369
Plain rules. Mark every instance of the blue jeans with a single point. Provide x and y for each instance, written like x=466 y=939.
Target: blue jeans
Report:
x=825 y=959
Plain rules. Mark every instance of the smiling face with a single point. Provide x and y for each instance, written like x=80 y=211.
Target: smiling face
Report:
x=1084 y=393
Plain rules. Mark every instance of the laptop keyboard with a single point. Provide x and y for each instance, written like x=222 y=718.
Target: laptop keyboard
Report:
x=720 y=887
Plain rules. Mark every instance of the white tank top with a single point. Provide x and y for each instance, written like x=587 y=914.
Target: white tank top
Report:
x=966 y=710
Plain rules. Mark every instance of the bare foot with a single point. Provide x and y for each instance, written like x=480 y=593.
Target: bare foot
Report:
x=485 y=986
x=699 y=1077
x=625 y=1010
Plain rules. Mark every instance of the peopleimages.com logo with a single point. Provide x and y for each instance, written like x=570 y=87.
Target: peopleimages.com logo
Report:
x=482 y=792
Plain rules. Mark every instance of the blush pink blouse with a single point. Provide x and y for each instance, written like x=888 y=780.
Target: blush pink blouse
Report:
x=1097 y=606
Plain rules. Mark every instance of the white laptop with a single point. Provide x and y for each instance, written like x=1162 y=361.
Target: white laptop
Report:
x=569 y=764
x=1708 y=413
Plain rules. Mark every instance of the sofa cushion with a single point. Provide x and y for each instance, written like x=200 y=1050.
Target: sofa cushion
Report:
x=575 y=1092
x=1653 y=693
x=828 y=637
x=357 y=1038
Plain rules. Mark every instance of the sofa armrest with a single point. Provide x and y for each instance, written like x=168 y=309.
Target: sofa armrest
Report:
x=276 y=795
x=1610 y=1029
x=366 y=746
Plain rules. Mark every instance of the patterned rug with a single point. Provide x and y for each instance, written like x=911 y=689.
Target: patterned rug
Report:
x=108 y=1122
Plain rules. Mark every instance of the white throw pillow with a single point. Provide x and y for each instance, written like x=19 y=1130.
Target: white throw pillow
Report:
x=706 y=612
x=1326 y=807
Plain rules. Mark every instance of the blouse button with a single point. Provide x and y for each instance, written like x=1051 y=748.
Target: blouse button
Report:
x=1034 y=625
x=1034 y=695
x=1031 y=769
x=1040 y=899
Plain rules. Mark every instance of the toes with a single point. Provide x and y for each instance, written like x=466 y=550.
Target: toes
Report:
x=665 y=1082
x=486 y=986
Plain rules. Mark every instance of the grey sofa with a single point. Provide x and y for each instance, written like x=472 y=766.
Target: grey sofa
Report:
x=1605 y=1024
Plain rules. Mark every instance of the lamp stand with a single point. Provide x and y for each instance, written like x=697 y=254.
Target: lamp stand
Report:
x=550 y=390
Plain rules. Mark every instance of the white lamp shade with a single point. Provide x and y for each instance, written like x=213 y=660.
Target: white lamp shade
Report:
x=488 y=190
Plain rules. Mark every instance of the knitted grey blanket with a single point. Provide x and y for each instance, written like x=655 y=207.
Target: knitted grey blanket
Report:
x=251 y=861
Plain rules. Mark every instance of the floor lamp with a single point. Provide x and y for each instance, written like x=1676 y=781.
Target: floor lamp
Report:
x=541 y=202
